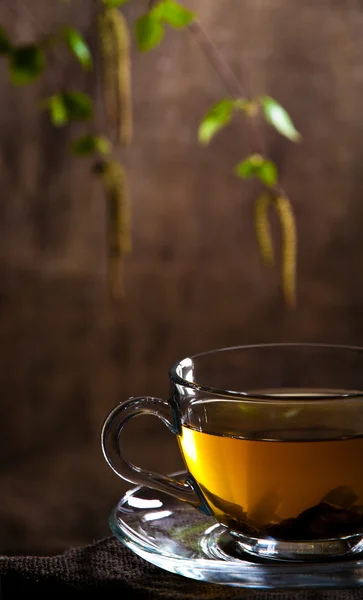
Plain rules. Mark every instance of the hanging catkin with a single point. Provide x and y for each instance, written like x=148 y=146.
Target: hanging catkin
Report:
x=118 y=223
x=107 y=48
x=289 y=248
x=263 y=229
x=115 y=49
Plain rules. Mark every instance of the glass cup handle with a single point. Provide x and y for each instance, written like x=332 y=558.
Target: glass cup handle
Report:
x=110 y=441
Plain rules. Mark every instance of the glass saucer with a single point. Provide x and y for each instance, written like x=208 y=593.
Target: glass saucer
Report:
x=174 y=536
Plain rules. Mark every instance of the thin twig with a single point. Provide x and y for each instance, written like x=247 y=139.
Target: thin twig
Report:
x=215 y=57
x=26 y=11
x=21 y=7
x=229 y=79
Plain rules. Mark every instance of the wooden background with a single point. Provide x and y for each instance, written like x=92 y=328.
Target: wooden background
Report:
x=194 y=280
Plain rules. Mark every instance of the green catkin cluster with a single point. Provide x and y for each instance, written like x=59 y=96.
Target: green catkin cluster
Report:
x=286 y=217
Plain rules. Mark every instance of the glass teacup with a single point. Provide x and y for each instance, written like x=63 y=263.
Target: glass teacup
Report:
x=272 y=440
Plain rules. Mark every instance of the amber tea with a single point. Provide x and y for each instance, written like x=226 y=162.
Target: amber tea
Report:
x=290 y=490
x=272 y=440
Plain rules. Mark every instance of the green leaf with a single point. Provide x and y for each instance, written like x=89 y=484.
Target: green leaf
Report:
x=4 y=42
x=279 y=118
x=78 y=46
x=249 y=167
x=26 y=64
x=68 y=106
x=267 y=173
x=57 y=110
x=149 y=32
x=114 y=3
x=173 y=13
x=217 y=117
x=89 y=144
x=78 y=105
x=257 y=166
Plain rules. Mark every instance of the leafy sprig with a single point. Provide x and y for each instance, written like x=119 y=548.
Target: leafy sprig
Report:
x=27 y=62
x=258 y=166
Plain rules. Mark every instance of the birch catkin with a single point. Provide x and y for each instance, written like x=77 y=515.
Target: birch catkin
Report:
x=115 y=49
x=263 y=228
x=289 y=248
x=118 y=223
x=108 y=54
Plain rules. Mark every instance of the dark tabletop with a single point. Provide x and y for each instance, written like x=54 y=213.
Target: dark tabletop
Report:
x=107 y=569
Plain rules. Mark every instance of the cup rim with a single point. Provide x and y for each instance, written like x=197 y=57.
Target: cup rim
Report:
x=267 y=398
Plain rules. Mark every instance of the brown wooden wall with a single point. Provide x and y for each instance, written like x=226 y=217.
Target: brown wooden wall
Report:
x=194 y=280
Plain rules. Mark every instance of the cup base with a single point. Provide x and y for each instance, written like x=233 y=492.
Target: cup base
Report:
x=303 y=551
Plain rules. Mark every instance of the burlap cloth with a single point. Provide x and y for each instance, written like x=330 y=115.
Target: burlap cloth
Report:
x=106 y=569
